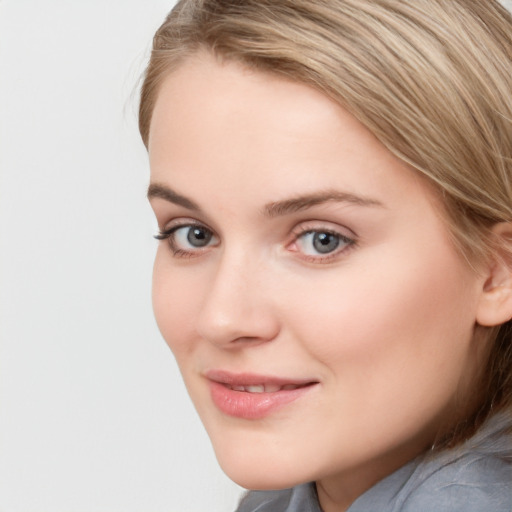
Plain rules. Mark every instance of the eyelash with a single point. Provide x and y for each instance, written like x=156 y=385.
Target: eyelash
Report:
x=169 y=235
x=298 y=235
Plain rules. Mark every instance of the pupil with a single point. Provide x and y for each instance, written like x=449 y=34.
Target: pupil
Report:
x=198 y=237
x=325 y=242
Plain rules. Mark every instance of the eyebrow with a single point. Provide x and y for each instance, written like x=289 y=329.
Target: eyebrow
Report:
x=164 y=192
x=304 y=202
x=273 y=209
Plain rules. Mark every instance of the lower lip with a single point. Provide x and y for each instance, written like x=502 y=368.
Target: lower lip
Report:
x=253 y=406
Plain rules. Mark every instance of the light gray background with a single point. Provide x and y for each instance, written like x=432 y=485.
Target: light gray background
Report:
x=93 y=414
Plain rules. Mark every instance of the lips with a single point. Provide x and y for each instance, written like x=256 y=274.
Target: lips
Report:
x=251 y=396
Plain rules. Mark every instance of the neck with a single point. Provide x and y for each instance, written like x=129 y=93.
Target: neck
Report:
x=337 y=492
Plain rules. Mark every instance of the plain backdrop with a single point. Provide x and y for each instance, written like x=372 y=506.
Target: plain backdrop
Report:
x=93 y=414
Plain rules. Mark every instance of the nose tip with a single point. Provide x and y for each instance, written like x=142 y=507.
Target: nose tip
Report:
x=237 y=310
x=228 y=326
x=231 y=332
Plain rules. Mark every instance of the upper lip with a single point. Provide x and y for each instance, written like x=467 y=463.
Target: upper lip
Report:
x=253 y=379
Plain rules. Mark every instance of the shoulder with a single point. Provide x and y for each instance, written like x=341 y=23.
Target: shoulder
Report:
x=263 y=501
x=475 y=477
x=301 y=498
x=473 y=483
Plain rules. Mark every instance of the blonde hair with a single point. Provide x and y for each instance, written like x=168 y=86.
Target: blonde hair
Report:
x=432 y=79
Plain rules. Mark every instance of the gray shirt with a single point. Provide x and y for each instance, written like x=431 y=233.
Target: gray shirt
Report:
x=473 y=477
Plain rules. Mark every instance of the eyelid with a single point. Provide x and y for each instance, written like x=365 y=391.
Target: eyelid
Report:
x=181 y=222
x=321 y=225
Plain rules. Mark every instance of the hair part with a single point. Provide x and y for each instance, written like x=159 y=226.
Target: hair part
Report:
x=431 y=79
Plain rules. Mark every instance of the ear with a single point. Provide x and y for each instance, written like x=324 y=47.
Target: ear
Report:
x=495 y=305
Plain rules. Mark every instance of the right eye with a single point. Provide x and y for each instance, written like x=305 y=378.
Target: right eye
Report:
x=187 y=239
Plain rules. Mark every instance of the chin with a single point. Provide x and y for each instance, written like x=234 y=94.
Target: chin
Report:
x=264 y=472
x=259 y=480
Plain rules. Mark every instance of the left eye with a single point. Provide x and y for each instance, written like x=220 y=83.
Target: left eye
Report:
x=314 y=243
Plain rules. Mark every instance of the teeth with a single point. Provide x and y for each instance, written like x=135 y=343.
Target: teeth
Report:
x=255 y=389
x=264 y=388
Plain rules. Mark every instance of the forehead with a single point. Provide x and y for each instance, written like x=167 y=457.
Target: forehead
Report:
x=219 y=126
x=235 y=97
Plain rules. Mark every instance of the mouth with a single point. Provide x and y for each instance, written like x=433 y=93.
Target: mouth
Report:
x=265 y=388
x=250 y=396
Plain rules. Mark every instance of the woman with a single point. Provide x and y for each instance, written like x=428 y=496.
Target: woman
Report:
x=331 y=181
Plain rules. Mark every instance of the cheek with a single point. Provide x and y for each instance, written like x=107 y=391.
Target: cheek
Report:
x=175 y=300
x=388 y=320
x=388 y=338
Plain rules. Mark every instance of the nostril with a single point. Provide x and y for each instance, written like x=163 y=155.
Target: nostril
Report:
x=237 y=343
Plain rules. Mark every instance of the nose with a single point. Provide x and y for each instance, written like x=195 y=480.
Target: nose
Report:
x=237 y=306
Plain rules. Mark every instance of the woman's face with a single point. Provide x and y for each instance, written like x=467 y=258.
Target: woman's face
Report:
x=307 y=285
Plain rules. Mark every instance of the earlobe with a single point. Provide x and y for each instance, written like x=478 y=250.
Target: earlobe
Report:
x=495 y=305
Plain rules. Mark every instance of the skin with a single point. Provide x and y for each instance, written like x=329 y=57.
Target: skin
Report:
x=385 y=324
